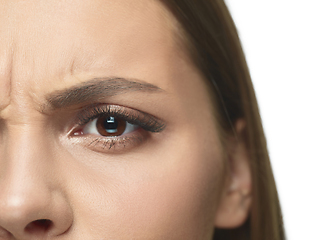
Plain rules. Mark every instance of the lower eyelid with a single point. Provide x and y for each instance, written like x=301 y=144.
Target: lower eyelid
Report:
x=111 y=144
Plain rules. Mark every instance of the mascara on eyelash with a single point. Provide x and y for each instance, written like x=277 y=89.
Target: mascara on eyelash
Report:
x=144 y=120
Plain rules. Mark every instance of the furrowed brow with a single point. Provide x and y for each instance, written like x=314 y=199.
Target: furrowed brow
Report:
x=95 y=90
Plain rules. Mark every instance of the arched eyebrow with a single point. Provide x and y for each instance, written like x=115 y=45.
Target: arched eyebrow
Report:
x=95 y=90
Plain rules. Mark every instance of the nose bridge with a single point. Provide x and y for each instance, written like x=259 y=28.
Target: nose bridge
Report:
x=23 y=182
x=26 y=150
x=29 y=191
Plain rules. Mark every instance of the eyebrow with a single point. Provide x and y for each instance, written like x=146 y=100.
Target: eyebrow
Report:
x=95 y=90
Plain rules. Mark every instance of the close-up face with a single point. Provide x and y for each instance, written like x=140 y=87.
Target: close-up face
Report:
x=107 y=129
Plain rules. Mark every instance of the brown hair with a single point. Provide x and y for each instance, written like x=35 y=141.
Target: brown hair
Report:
x=211 y=37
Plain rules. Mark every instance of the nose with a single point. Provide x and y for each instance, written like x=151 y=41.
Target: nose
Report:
x=33 y=202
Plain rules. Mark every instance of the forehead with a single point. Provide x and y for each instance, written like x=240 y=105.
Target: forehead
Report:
x=46 y=43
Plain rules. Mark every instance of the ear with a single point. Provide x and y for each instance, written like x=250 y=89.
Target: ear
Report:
x=235 y=203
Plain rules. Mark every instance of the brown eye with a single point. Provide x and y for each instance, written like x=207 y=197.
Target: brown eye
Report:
x=110 y=126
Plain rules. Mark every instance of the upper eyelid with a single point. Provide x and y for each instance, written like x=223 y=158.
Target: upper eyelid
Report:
x=95 y=111
x=148 y=121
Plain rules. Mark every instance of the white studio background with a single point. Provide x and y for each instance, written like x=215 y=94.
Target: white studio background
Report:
x=281 y=40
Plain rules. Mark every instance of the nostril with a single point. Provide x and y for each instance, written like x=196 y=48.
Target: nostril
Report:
x=38 y=226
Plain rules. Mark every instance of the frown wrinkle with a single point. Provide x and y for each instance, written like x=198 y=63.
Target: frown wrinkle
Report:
x=6 y=58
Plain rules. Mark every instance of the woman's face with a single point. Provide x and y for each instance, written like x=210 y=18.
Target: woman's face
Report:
x=72 y=74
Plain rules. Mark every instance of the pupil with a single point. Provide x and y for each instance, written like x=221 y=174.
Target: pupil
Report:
x=111 y=125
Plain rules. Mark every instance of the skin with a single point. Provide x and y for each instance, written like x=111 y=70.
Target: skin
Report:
x=167 y=186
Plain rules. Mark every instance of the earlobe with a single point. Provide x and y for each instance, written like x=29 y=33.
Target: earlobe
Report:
x=235 y=203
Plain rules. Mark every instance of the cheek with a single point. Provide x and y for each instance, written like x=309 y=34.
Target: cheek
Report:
x=169 y=194
x=179 y=202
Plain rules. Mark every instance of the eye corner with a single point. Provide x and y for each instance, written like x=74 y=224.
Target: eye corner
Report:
x=77 y=132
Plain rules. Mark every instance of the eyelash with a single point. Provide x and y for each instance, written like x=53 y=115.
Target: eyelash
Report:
x=146 y=123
